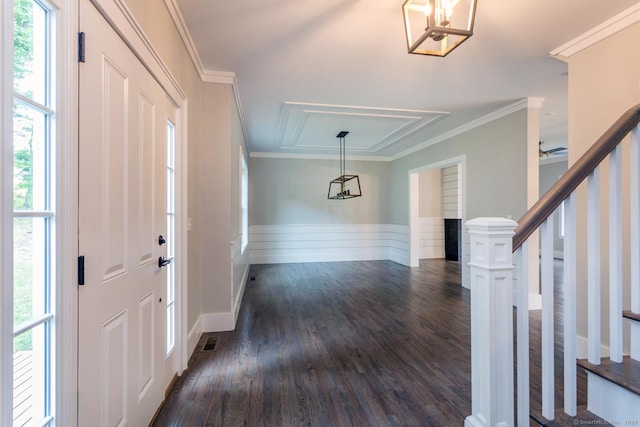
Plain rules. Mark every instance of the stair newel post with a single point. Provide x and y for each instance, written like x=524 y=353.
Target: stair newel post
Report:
x=491 y=322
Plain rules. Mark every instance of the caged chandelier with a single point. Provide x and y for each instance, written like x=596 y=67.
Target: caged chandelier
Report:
x=345 y=186
x=436 y=27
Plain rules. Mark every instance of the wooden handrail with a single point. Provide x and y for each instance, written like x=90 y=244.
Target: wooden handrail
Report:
x=577 y=173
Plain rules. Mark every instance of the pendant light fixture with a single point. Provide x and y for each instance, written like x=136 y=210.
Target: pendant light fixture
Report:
x=446 y=24
x=345 y=186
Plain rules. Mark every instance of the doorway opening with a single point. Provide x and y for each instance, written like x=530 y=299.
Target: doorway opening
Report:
x=437 y=213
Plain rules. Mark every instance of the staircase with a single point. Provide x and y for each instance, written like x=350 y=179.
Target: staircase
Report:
x=502 y=396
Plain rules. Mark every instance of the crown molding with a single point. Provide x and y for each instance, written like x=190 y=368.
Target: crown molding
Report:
x=269 y=155
x=181 y=26
x=495 y=115
x=609 y=27
x=206 y=75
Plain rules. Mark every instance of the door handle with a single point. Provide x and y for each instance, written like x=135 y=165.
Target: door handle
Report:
x=162 y=262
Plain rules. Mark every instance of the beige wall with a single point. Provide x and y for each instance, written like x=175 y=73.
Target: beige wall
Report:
x=294 y=191
x=430 y=183
x=213 y=218
x=214 y=135
x=549 y=174
x=501 y=142
x=158 y=26
x=604 y=82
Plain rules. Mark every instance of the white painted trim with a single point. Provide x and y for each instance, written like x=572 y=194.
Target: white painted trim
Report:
x=414 y=219
x=206 y=75
x=611 y=402
x=488 y=118
x=218 y=322
x=535 y=301
x=609 y=27
x=225 y=321
x=6 y=212
x=237 y=300
x=265 y=155
x=120 y=17
x=194 y=336
x=67 y=324
x=178 y=19
x=182 y=215
x=269 y=244
x=122 y=20
x=582 y=348
x=239 y=262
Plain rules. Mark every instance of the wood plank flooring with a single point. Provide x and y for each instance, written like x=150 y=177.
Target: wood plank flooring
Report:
x=367 y=343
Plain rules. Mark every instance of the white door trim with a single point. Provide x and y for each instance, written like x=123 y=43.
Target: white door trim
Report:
x=123 y=21
x=414 y=203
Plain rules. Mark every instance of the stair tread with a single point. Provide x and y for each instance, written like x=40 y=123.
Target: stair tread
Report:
x=625 y=374
x=583 y=416
x=631 y=315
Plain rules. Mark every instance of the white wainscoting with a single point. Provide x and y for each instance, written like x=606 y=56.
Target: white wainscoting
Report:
x=431 y=238
x=272 y=244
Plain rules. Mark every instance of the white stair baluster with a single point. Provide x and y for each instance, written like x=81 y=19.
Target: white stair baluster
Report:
x=634 y=238
x=569 y=304
x=522 y=330
x=615 y=254
x=593 y=266
x=548 y=405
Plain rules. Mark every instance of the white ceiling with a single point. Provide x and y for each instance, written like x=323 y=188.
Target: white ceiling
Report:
x=306 y=70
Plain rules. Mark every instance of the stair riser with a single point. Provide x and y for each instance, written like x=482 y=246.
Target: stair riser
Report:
x=611 y=402
x=635 y=340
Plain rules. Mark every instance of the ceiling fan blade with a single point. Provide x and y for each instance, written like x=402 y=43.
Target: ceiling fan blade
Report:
x=555 y=150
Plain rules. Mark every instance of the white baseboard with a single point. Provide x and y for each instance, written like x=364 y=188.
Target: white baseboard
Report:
x=194 y=336
x=238 y=297
x=535 y=302
x=218 y=322
x=582 y=348
x=400 y=256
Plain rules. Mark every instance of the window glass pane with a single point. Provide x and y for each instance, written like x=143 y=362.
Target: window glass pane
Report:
x=171 y=236
x=171 y=130
x=171 y=182
x=29 y=268
x=170 y=283
x=31 y=374
x=170 y=190
x=29 y=50
x=29 y=158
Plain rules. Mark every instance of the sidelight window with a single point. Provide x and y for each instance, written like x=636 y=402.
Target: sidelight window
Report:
x=34 y=213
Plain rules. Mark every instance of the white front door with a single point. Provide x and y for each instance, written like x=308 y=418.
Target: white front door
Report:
x=122 y=212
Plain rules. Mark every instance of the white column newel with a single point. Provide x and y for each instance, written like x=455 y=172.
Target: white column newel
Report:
x=491 y=322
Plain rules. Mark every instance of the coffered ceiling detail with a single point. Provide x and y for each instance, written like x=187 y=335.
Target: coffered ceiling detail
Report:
x=305 y=127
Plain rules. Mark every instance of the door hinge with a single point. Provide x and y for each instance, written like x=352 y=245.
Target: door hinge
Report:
x=81 y=46
x=81 y=270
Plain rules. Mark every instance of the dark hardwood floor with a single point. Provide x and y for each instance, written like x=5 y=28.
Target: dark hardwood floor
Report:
x=368 y=343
